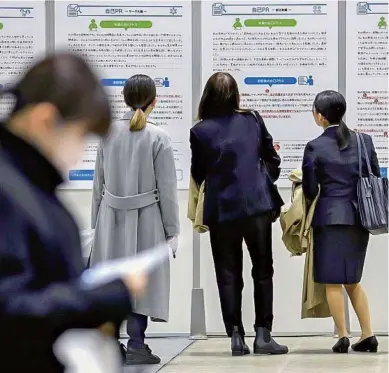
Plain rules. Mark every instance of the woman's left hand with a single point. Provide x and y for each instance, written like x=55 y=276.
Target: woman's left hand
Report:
x=173 y=244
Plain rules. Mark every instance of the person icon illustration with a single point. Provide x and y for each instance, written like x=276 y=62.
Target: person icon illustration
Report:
x=310 y=80
x=166 y=83
x=382 y=23
x=237 y=25
x=93 y=25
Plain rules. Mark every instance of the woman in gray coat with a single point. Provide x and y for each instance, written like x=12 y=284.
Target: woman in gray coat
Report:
x=135 y=205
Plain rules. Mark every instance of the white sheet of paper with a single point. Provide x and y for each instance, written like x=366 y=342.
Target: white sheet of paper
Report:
x=87 y=351
x=87 y=238
x=114 y=269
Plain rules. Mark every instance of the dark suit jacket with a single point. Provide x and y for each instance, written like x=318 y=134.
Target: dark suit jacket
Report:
x=226 y=154
x=337 y=173
x=40 y=265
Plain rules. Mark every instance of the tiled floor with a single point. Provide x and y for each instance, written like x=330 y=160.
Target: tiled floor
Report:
x=307 y=355
x=166 y=348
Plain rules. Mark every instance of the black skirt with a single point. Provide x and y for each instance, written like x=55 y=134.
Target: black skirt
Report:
x=339 y=254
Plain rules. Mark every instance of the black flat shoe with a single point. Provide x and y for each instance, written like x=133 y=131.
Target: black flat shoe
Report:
x=238 y=346
x=367 y=345
x=342 y=346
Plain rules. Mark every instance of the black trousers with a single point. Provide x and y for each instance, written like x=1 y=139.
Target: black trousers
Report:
x=136 y=329
x=227 y=242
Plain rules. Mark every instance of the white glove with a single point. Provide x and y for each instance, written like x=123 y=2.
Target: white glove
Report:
x=173 y=244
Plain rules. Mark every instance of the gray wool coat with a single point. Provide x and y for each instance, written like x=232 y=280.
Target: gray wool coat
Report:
x=135 y=204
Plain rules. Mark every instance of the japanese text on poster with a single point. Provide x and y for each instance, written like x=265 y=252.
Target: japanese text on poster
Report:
x=121 y=39
x=367 y=73
x=282 y=54
x=22 y=39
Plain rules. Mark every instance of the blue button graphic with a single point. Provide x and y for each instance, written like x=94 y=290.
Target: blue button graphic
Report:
x=384 y=172
x=81 y=175
x=270 y=81
x=113 y=82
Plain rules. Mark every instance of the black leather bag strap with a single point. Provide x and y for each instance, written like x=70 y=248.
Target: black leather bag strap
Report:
x=359 y=154
x=362 y=145
x=366 y=156
x=261 y=129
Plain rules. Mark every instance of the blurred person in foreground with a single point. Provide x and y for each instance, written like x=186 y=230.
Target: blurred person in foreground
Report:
x=135 y=206
x=59 y=101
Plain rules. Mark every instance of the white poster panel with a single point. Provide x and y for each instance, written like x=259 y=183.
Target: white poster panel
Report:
x=367 y=73
x=120 y=39
x=22 y=40
x=282 y=54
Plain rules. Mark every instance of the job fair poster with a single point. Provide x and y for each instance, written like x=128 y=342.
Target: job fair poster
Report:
x=367 y=73
x=122 y=38
x=282 y=54
x=22 y=41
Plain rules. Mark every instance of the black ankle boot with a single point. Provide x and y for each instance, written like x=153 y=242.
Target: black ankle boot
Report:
x=141 y=356
x=341 y=347
x=367 y=345
x=264 y=344
x=238 y=346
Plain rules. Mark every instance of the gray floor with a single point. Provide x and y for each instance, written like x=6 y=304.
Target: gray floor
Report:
x=166 y=348
x=307 y=355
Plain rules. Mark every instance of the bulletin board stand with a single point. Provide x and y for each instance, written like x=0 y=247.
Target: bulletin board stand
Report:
x=198 y=328
x=198 y=322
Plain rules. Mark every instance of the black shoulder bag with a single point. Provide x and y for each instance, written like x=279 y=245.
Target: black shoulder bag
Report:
x=273 y=187
x=372 y=195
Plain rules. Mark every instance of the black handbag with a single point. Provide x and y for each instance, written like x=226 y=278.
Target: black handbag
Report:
x=372 y=195
x=275 y=214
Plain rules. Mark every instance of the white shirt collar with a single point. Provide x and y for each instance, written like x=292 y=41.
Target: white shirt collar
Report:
x=331 y=126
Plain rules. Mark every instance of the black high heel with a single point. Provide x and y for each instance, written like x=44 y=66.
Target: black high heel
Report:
x=342 y=346
x=367 y=345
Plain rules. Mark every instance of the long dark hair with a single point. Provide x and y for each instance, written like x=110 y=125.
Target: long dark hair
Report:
x=332 y=106
x=139 y=93
x=68 y=83
x=220 y=97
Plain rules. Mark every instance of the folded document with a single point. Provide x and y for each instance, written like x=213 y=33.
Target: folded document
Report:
x=111 y=270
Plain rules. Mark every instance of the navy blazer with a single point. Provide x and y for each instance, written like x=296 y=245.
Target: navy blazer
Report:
x=337 y=173
x=40 y=265
x=235 y=157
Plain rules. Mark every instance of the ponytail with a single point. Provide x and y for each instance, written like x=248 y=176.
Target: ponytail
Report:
x=342 y=135
x=139 y=119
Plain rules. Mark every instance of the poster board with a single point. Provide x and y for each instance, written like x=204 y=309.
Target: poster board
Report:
x=367 y=73
x=22 y=41
x=281 y=54
x=121 y=39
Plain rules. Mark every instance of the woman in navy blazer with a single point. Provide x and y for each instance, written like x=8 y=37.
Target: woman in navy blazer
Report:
x=233 y=153
x=340 y=241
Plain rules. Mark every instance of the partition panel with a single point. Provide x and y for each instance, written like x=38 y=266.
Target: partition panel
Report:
x=280 y=83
